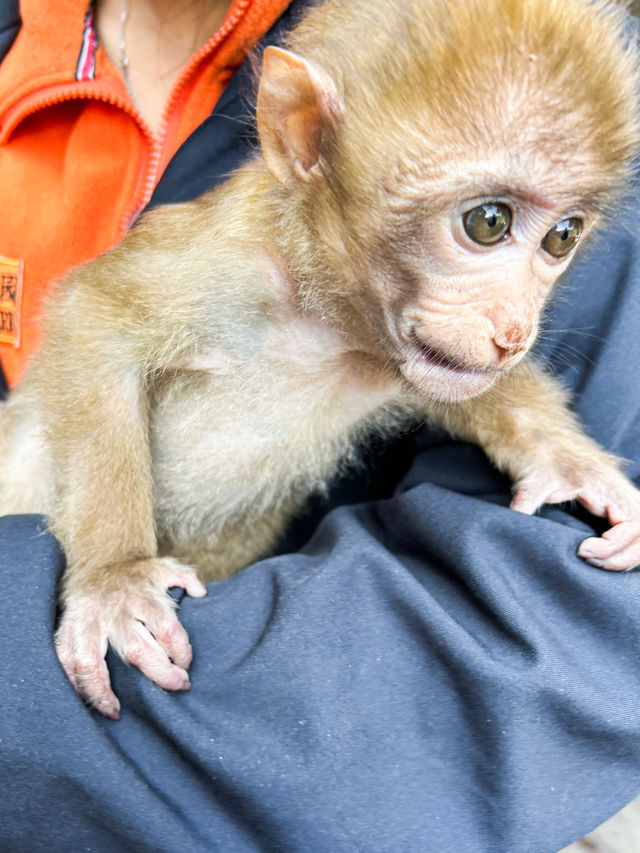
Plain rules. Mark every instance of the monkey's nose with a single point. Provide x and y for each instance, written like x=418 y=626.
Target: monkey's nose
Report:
x=512 y=325
x=511 y=341
x=513 y=337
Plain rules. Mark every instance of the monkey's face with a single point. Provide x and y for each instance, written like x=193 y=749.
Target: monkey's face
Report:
x=446 y=189
x=462 y=288
x=456 y=244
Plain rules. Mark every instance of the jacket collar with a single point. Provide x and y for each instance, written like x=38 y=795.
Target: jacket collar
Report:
x=40 y=68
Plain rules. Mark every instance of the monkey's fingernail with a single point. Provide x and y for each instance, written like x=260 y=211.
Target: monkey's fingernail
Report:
x=585 y=550
x=186 y=685
x=108 y=708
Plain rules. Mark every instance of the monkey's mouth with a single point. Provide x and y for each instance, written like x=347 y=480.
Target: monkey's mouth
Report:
x=442 y=376
x=431 y=356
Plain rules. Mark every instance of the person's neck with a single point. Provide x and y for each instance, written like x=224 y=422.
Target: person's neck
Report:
x=158 y=37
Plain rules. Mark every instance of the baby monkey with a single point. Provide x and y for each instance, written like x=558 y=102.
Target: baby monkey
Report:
x=428 y=170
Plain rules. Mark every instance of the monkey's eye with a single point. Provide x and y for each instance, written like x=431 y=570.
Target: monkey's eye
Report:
x=488 y=223
x=563 y=237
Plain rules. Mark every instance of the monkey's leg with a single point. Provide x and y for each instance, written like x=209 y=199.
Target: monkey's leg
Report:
x=525 y=427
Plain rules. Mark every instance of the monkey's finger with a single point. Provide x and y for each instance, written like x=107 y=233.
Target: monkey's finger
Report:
x=618 y=537
x=534 y=491
x=618 y=549
x=93 y=684
x=526 y=501
x=88 y=673
x=144 y=652
x=594 y=503
x=177 y=574
x=171 y=636
x=622 y=561
x=623 y=512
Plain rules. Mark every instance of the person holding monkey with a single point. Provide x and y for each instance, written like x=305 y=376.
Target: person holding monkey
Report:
x=394 y=627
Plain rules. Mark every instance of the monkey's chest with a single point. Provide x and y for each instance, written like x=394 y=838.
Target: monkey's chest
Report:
x=252 y=442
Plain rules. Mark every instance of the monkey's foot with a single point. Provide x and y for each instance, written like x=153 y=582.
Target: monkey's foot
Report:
x=128 y=607
x=606 y=493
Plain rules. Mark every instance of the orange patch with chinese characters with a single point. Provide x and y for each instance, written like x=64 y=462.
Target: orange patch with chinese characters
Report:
x=10 y=300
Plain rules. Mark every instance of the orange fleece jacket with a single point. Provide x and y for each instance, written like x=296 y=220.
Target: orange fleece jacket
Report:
x=77 y=161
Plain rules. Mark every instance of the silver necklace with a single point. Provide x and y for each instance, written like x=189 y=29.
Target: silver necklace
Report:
x=124 y=59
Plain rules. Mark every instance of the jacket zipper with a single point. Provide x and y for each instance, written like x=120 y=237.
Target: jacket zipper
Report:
x=157 y=158
x=153 y=162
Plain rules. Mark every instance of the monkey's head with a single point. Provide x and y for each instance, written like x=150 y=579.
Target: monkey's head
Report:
x=446 y=161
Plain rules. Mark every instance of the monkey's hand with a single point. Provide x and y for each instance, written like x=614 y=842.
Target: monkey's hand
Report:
x=602 y=489
x=526 y=428
x=128 y=607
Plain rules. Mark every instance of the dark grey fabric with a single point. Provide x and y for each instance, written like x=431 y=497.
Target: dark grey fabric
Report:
x=10 y=23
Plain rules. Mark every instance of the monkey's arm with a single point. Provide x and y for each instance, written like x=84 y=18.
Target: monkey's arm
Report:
x=526 y=428
x=92 y=384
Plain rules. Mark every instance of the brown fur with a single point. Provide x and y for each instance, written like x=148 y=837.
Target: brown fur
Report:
x=200 y=380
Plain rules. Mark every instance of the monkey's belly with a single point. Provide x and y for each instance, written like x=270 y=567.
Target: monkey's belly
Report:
x=232 y=465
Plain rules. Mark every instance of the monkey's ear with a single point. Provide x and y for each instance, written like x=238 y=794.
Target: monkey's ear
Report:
x=297 y=104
